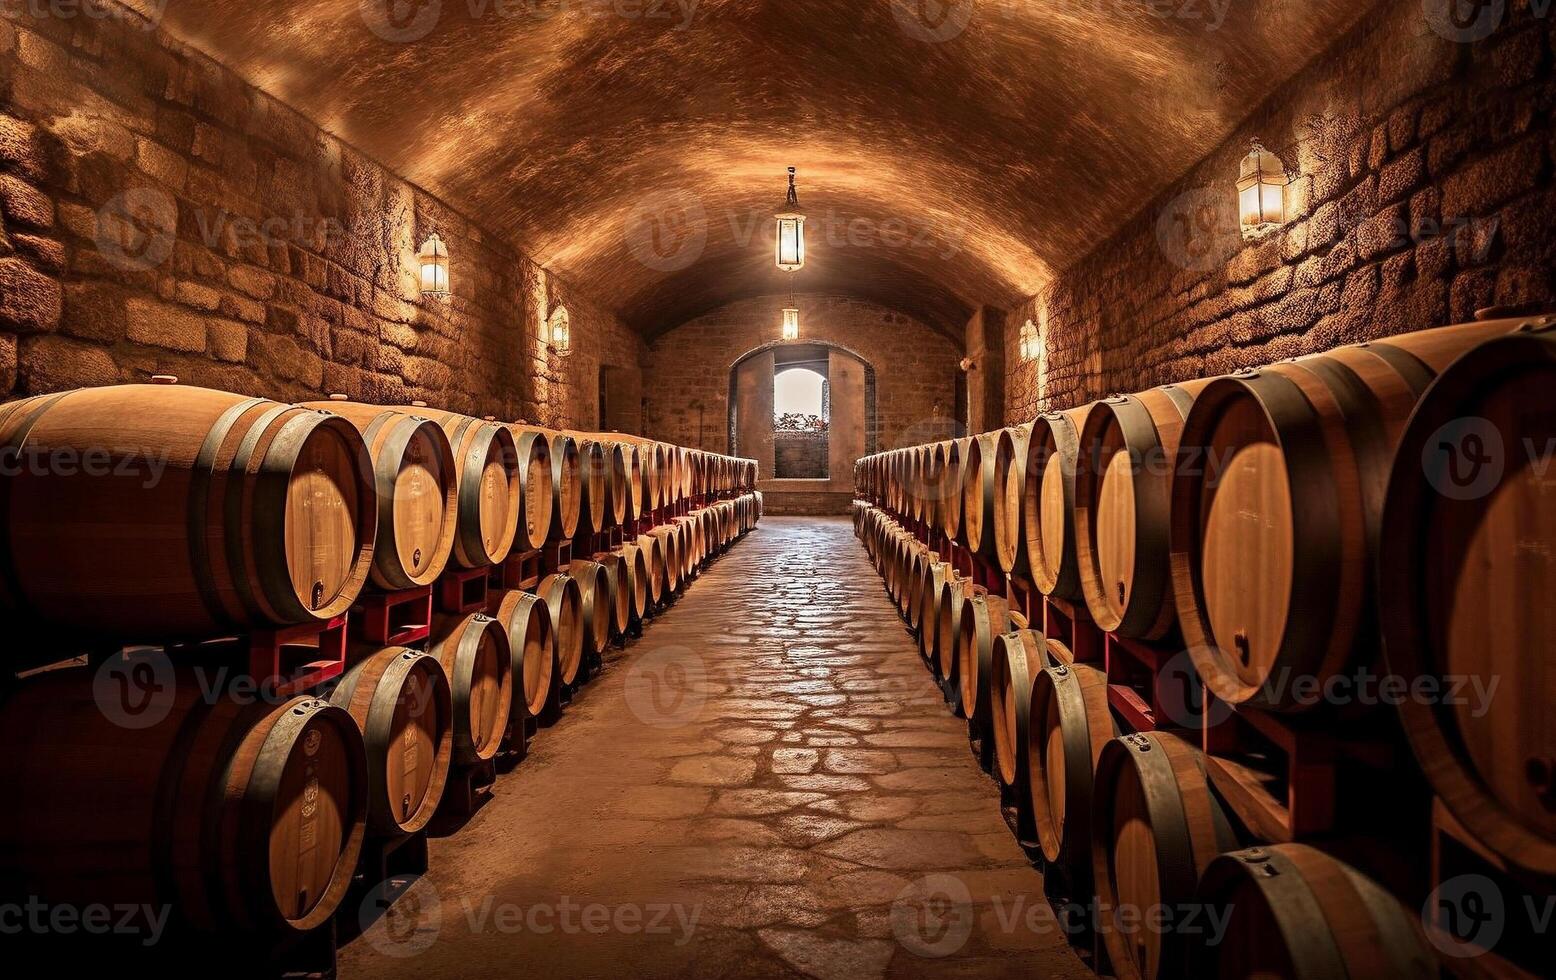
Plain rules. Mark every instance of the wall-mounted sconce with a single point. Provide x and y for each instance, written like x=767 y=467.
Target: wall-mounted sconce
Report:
x=559 y=332
x=1261 y=191
x=433 y=260
x=1028 y=344
x=791 y=323
x=791 y=231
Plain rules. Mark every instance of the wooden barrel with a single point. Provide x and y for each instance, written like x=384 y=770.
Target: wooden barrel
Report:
x=932 y=488
x=1292 y=912
x=637 y=588
x=635 y=480
x=710 y=534
x=181 y=512
x=949 y=465
x=936 y=574
x=617 y=487
x=653 y=465
x=474 y=652
x=535 y=479
x=1010 y=467
x=486 y=460
x=413 y=474
x=1017 y=658
x=653 y=550
x=400 y=699
x=910 y=575
x=895 y=547
x=1123 y=485
x=948 y=626
x=567 y=490
x=526 y=619
x=1297 y=458
x=594 y=503
x=619 y=588
x=978 y=494
x=1049 y=502
x=1070 y=723
x=1468 y=557
x=669 y=547
x=984 y=617
x=1155 y=827
x=914 y=483
x=565 y=600
x=240 y=815
x=686 y=538
x=594 y=597
x=683 y=471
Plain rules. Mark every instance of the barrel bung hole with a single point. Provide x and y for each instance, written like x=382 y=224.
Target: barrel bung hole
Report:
x=1542 y=776
x=321 y=517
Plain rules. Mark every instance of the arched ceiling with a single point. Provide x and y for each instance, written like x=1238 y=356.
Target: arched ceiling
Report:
x=949 y=156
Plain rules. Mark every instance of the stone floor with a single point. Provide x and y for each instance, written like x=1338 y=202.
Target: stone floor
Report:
x=766 y=784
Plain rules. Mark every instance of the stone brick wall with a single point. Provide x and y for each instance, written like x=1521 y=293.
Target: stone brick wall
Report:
x=800 y=455
x=1423 y=192
x=915 y=367
x=781 y=502
x=162 y=216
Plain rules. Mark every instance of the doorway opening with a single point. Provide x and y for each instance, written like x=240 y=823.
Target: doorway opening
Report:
x=801 y=418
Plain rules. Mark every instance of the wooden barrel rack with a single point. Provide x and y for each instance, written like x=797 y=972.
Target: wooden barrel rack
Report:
x=476 y=523
x=1350 y=842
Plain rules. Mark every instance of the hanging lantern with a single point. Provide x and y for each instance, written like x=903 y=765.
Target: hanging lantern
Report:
x=561 y=331
x=1028 y=345
x=791 y=324
x=1261 y=190
x=433 y=259
x=791 y=232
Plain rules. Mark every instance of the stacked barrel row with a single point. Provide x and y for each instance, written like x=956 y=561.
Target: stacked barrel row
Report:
x=198 y=521
x=1283 y=526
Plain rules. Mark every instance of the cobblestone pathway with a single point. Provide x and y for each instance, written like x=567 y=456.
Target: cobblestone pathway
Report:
x=766 y=784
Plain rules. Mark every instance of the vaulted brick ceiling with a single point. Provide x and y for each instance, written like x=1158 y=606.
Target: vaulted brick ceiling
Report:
x=937 y=174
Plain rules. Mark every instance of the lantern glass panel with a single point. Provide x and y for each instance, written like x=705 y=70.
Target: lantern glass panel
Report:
x=791 y=242
x=791 y=324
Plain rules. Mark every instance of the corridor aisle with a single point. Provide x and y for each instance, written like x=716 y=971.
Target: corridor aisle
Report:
x=765 y=784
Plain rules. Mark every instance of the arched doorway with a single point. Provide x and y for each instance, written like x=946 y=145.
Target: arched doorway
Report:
x=803 y=411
